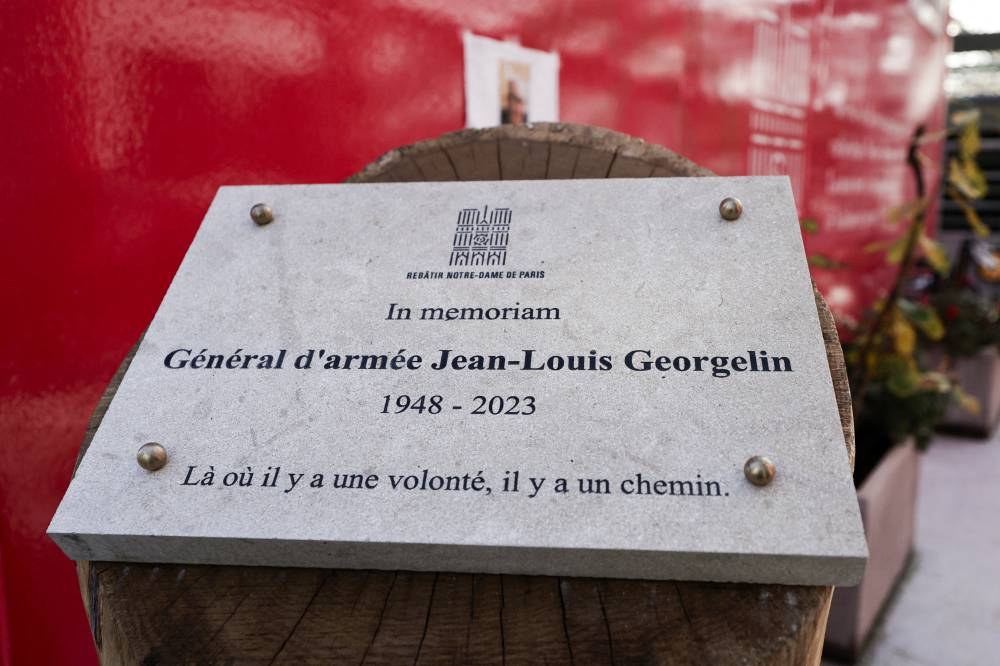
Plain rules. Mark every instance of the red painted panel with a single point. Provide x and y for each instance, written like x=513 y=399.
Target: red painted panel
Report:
x=120 y=120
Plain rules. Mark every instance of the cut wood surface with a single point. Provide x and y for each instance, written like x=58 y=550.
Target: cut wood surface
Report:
x=149 y=613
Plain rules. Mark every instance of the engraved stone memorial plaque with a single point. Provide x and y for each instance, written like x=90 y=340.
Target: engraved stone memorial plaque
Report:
x=535 y=377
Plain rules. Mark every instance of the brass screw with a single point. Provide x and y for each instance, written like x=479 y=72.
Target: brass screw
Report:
x=262 y=214
x=151 y=456
x=759 y=470
x=730 y=209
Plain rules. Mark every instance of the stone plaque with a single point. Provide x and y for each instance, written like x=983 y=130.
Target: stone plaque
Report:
x=544 y=377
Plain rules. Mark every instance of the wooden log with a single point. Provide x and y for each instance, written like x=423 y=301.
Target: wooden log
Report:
x=147 y=613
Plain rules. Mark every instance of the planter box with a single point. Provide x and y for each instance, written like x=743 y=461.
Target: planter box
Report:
x=979 y=376
x=888 y=504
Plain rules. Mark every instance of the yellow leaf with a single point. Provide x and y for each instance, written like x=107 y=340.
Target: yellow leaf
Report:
x=809 y=225
x=968 y=139
x=924 y=318
x=823 y=261
x=936 y=381
x=871 y=362
x=877 y=246
x=907 y=211
x=936 y=255
x=971 y=216
x=895 y=253
x=975 y=175
x=967 y=179
x=932 y=326
x=965 y=401
x=904 y=336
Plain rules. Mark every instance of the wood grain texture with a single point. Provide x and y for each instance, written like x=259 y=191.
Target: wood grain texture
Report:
x=149 y=614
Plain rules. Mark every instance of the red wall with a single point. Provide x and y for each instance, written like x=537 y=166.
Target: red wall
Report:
x=121 y=119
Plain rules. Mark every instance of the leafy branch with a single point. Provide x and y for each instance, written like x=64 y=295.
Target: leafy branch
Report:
x=885 y=352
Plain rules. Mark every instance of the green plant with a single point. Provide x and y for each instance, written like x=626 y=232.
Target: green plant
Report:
x=972 y=321
x=893 y=395
x=891 y=415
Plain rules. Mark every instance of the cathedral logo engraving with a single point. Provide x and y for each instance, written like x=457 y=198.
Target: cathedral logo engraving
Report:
x=481 y=237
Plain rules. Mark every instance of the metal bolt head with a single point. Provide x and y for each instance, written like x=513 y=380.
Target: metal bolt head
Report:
x=759 y=470
x=262 y=214
x=151 y=456
x=731 y=208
